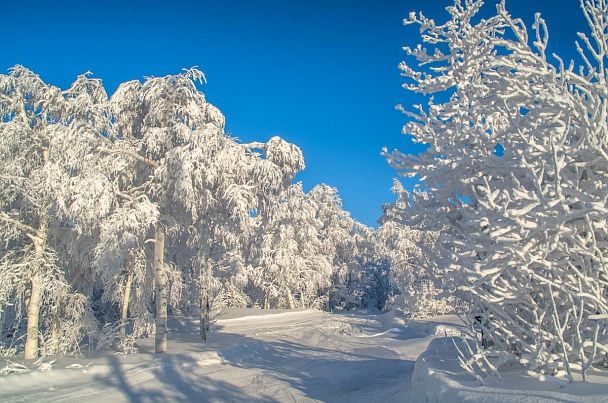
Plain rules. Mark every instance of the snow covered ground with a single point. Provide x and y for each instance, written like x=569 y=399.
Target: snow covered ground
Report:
x=438 y=377
x=281 y=356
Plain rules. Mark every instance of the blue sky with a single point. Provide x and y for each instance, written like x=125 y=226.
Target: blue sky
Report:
x=320 y=73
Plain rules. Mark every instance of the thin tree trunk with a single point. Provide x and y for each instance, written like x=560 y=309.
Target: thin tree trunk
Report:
x=290 y=300
x=204 y=298
x=160 y=345
x=32 y=345
x=266 y=299
x=125 y=307
x=204 y=314
x=32 y=342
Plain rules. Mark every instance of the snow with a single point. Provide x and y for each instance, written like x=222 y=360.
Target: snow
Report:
x=437 y=377
x=299 y=355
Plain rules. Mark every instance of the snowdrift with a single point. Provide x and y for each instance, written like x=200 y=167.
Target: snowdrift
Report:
x=438 y=377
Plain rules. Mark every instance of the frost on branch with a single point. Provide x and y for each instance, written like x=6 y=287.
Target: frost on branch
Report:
x=515 y=172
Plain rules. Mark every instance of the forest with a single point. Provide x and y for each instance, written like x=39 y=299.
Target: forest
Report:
x=118 y=211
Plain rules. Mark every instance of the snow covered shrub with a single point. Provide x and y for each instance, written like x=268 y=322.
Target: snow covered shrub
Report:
x=515 y=172
x=422 y=299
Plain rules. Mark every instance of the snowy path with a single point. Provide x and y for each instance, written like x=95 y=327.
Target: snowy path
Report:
x=298 y=356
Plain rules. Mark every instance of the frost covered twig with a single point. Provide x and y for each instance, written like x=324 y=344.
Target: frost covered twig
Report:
x=12 y=368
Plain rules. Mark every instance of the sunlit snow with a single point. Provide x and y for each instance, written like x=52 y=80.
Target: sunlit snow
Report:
x=286 y=355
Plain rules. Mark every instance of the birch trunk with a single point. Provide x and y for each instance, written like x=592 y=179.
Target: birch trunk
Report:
x=290 y=300
x=32 y=343
x=125 y=307
x=266 y=299
x=160 y=345
x=32 y=340
x=204 y=299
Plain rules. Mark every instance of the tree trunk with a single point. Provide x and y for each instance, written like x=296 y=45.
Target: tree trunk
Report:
x=204 y=314
x=290 y=300
x=266 y=299
x=125 y=307
x=204 y=298
x=32 y=341
x=160 y=345
x=32 y=345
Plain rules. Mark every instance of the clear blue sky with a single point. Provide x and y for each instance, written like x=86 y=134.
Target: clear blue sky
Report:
x=320 y=73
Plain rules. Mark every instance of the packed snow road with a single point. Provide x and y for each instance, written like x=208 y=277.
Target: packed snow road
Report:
x=252 y=355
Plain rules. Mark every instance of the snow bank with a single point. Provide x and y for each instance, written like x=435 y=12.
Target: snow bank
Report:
x=253 y=314
x=440 y=326
x=438 y=377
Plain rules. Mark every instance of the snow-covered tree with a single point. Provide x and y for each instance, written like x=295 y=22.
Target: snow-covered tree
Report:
x=334 y=227
x=185 y=184
x=299 y=248
x=291 y=259
x=362 y=263
x=34 y=114
x=416 y=280
x=515 y=172
x=242 y=183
